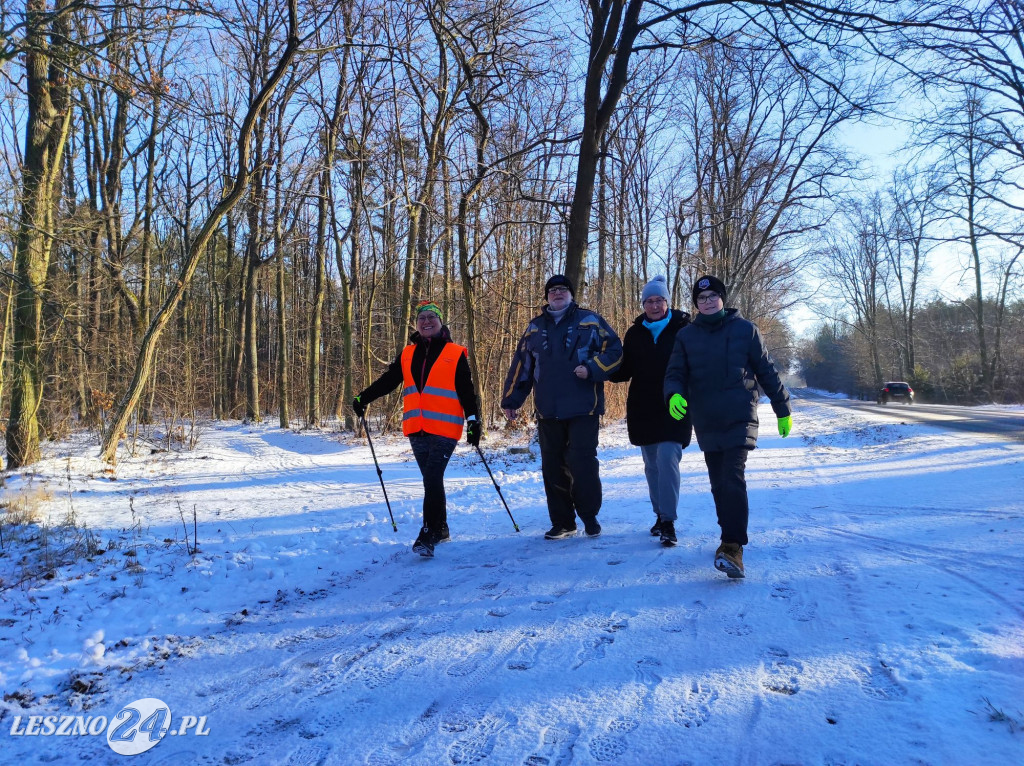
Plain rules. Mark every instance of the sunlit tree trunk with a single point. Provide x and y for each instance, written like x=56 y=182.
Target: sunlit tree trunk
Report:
x=46 y=130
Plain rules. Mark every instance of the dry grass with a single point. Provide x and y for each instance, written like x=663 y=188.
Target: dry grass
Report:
x=39 y=547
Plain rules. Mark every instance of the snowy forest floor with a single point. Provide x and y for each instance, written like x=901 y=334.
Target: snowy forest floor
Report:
x=881 y=620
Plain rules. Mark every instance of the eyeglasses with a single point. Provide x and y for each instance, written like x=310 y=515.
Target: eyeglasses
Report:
x=654 y=301
x=558 y=290
x=709 y=298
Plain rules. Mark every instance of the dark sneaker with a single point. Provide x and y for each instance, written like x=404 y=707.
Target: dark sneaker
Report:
x=729 y=559
x=424 y=544
x=443 y=535
x=591 y=527
x=668 y=533
x=656 y=529
x=559 y=532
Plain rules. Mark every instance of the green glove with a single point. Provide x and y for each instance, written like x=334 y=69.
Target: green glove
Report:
x=785 y=426
x=677 y=406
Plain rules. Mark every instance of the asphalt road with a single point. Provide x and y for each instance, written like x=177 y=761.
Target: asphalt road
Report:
x=1007 y=423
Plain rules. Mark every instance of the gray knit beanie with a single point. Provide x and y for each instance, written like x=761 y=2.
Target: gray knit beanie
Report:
x=656 y=287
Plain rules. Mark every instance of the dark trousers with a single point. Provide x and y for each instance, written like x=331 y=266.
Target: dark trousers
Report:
x=726 y=470
x=568 y=459
x=432 y=455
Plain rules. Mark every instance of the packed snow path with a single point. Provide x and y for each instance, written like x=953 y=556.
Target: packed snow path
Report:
x=881 y=620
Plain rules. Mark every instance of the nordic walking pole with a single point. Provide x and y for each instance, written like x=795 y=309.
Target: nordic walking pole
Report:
x=496 y=486
x=380 y=474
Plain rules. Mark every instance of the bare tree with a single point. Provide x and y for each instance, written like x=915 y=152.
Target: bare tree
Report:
x=853 y=265
x=914 y=218
x=620 y=29
x=234 y=193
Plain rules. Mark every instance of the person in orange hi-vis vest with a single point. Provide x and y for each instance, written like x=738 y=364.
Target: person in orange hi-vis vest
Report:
x=438 y=397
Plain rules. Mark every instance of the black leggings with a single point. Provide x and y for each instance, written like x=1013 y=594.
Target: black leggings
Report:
x=432 y=455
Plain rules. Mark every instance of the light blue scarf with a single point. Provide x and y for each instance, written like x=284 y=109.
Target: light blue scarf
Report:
x=657 y=327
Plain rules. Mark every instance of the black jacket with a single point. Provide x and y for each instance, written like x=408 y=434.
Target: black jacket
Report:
x=423 y=357
x=717 y=368
x=547 y=354
x=643 y=364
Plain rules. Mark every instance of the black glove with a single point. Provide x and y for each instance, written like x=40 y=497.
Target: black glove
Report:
x=358 y=407
x=474 y=430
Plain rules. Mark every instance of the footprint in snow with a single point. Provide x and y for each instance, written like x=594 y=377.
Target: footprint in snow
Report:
x=309 y=755
x=465 y=716
x=880 y=683
x=465 y=667
x=377 y=676
x=799 y=611
x=479 y=743
x=607 y=624
x=781 y=673
x=606 y=748
x=738 y=628
x=594 y=650
x=402 y=750
x=525 y=656
x=556 y=744
x=646 y=669
x=695 y=710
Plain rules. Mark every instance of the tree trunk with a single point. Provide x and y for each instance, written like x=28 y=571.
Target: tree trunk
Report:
x=46 y=129
x=606 y=43
x=283 y=384
x=313 y=415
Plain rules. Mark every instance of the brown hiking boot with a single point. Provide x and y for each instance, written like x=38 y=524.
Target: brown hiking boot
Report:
x=729 y=559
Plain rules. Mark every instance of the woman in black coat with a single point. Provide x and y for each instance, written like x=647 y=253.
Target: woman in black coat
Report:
x=646 y=348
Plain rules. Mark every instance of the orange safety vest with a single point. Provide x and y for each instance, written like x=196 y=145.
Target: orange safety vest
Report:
x=435 y=409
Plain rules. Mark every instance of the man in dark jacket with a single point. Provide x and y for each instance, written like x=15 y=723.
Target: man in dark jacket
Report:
x=437 y=396
x=564 y=357
x=646 y=348
x=714 y=372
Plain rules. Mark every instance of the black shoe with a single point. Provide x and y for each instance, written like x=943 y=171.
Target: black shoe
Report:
x=668 y=533
x=424 y=544
x=656 y=529
x=443 y=535
x=558 y=532
x=591 y=527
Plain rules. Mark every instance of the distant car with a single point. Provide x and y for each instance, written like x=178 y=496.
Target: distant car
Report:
x=896 y=392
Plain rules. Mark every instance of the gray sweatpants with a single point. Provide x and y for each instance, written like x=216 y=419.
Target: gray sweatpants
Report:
x=661 y=466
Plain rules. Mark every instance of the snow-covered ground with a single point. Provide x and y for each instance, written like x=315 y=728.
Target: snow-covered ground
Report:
x=881 y=620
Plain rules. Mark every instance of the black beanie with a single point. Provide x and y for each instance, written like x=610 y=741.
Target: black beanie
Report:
x=708 y=283
x=560 y=280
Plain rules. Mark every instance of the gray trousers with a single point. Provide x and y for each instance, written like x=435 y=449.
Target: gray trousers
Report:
x=661 y=466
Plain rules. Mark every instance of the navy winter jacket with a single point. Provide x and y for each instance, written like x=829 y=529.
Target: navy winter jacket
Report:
x=546 y=357
x=644 y=362
x=717 y=368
